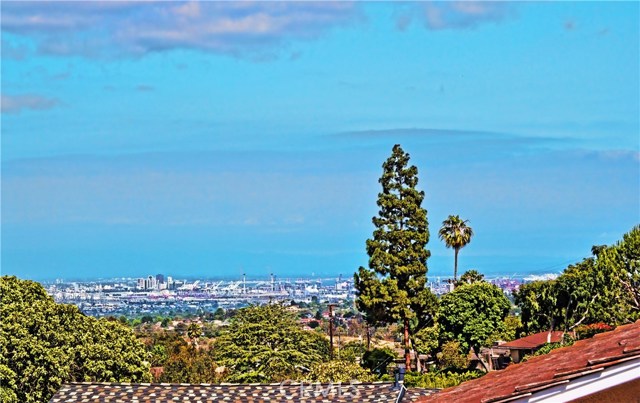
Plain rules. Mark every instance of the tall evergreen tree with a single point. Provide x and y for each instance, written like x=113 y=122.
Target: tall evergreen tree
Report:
x=393 y=288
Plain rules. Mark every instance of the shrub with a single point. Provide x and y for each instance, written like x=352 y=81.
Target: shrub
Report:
x=548 y=347
x=450 y=357
x=588 y=331
x=439 y=380
x=378 y=359
x=339 y=371
x=352 y=351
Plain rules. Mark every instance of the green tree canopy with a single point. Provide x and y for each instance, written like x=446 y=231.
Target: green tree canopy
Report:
x=537 y=303
x=471 y=313
x=188 y=364
x=456 y=234
x=44 y=344
x=339 y=371
x=470 y=276
x=451 y=358
x=378 y=359
x=623 y=262
x=603 y=288
x=194 y=331
x=426 y=339
x=564 y=303
x=266 y=344
x=393 y=288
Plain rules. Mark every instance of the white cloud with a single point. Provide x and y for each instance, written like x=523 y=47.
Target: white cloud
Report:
x=18 y=103
x=440 y=15
x=108 y=29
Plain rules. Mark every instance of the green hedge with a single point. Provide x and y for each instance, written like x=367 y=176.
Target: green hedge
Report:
x=439 y=380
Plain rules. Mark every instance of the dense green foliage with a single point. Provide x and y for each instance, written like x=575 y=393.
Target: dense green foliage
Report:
x=187 y=364
x=181 y=361
x=427 y=339
x=623 y=262
x=194 y=331
x=456 y=234
x=352 y=351
x=509 y=331
x=266 y=344
x=537 y=302
x=603 y=288
x=378 y=359
x=588 y=331
x=549 y=347
x=339 y=371
x=451 y=356
x=439 y=380
x=471 y=313
x=393 y=288
x=44 y=344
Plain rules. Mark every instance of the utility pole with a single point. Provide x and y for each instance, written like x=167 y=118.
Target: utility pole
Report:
x=331 y=330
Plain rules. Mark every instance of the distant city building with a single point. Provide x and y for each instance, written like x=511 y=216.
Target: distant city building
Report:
x=136 y=296
x=150 y=283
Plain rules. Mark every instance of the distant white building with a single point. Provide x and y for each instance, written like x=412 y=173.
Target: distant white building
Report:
x=150 y=283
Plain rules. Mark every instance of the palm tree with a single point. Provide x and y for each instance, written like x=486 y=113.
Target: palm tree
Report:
x=456 y=234
x=194 y=332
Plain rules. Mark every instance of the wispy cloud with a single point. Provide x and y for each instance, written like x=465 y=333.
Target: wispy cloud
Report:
x=435 y=15
x=145 y=88
x=18 y=103
x=433 y=135
x=112 y=29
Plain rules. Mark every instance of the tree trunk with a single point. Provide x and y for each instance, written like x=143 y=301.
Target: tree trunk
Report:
x=418 y=363
x=331 y=331
x=407 y=351
x=481 y=359
x=368 y=339
x=455 y=266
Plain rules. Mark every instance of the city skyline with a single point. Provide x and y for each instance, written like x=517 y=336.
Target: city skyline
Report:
x=213 y=139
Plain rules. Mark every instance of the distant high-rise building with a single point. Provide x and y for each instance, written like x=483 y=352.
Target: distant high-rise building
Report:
x=160 y=278
x=141 y=284
x=150 y=283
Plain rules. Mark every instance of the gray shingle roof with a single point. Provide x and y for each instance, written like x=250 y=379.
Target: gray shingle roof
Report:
x=251 y=393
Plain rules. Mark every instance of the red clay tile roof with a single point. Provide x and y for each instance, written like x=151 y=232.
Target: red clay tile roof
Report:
x=559 y=366
x=533 y=341
x=252 y=393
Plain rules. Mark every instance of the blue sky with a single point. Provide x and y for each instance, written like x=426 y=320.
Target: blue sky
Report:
x=211 y=139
